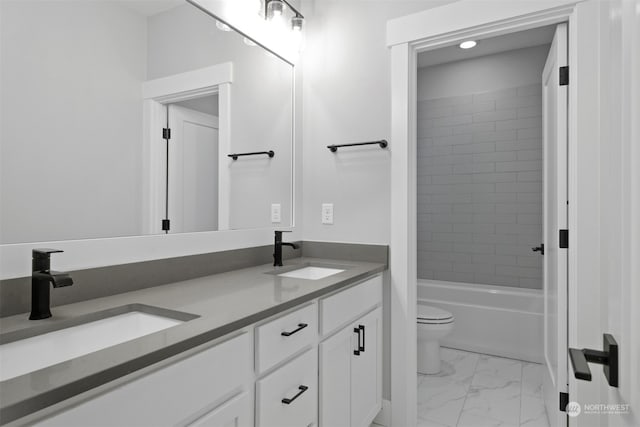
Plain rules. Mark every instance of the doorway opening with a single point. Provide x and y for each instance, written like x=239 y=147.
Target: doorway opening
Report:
x=491 y=196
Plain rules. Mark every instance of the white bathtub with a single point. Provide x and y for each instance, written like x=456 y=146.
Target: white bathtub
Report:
x=501 y=321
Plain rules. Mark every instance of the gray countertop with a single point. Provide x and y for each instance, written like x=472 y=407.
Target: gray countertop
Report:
x=225 y=303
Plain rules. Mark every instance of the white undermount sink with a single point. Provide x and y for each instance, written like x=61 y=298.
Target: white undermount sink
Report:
x=40 y=351
x=311 y=273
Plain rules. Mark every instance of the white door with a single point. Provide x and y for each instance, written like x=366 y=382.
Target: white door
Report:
x=554 y=104
x=335 y=379
x=610 y=301
x=193 y=170
x=366 y=371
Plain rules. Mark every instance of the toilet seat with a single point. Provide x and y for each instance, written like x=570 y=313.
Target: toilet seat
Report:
x=429 y=315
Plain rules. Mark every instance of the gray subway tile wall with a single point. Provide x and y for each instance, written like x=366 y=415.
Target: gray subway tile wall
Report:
x=480 y=187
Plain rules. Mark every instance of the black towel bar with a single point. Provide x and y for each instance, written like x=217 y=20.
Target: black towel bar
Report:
x=235 y=156
x=382 y=143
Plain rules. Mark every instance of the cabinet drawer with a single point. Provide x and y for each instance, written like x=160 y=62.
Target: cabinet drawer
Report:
x=288 y=383
x=284 y=336
x=345 y=306
x=170 y=395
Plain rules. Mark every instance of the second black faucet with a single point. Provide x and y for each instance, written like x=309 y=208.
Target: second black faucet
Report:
x=277 y=248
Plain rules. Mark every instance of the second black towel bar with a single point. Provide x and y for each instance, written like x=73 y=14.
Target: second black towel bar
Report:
x=382 y=143
x=235 y=156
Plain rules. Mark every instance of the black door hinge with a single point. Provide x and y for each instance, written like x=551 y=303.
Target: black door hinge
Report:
x=564 y=401
x=564 y=239
x=166 y=133
x=564 y=76
x=165 y=225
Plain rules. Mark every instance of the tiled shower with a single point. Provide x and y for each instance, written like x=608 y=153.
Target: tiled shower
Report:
x=480 y=187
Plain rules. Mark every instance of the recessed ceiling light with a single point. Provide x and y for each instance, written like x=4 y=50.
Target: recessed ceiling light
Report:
x=468 y=44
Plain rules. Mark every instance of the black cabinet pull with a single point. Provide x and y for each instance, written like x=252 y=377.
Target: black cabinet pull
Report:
x=301 y=326
x=361 y=327
x=358 y=348
x=302 y=389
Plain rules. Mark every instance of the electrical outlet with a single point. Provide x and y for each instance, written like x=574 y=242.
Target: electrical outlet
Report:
x=276 y=211
x=327 y=213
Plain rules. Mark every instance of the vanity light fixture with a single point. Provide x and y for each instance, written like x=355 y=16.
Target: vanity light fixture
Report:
x=296 y=23
x=468 y=44
x=276 y=8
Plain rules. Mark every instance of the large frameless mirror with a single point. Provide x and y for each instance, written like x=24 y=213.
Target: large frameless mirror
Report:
x=127 y=118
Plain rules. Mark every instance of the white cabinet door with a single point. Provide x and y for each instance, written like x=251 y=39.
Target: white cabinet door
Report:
x=351 y=374
x=234 y=413
x=366 y=370
x=335 y=378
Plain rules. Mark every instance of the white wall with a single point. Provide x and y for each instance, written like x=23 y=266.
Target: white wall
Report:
x=183 y=39
x=347 y=99
x=486 y=73
x=69 y=90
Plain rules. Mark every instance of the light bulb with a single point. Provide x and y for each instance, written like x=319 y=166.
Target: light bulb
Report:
x=468 y=44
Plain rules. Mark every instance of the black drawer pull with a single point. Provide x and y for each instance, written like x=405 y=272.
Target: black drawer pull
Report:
x=302 y=389
x=361 y=327
x=357 y=350
x=301 y=326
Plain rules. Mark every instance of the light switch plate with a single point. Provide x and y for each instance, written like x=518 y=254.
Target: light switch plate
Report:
x=276 y=213
x=327 y=213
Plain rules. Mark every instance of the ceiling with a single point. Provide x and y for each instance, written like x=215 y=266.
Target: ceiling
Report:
x=519 y=40
x=151 y=7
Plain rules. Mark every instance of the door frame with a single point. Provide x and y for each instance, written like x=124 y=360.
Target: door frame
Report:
x=157 y=93
x=446 y=25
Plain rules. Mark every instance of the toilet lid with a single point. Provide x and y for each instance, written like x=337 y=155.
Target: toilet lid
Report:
x=427 y=312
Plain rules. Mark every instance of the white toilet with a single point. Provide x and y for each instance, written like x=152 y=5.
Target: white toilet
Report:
x=433 y=324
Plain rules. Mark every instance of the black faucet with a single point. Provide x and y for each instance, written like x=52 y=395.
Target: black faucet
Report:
x=277 y=248
x=41 y=276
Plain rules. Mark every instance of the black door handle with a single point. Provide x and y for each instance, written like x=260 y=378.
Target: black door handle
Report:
x=361 y=327
x=302 y=389
x=539 y=249
x=358 y=347
x=301 y=326
x=608 y=358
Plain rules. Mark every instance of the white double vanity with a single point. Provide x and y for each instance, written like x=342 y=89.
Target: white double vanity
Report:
x=319 y=363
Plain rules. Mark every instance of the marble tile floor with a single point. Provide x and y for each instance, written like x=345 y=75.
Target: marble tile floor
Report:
x=477 y=390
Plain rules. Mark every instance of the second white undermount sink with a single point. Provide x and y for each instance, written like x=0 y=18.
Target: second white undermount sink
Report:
x=29 y=354
x=311 y=273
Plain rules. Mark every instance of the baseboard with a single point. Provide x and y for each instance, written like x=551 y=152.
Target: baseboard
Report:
x=384 y=416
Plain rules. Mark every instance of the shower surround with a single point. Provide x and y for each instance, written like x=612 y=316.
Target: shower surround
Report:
x=480 y=187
